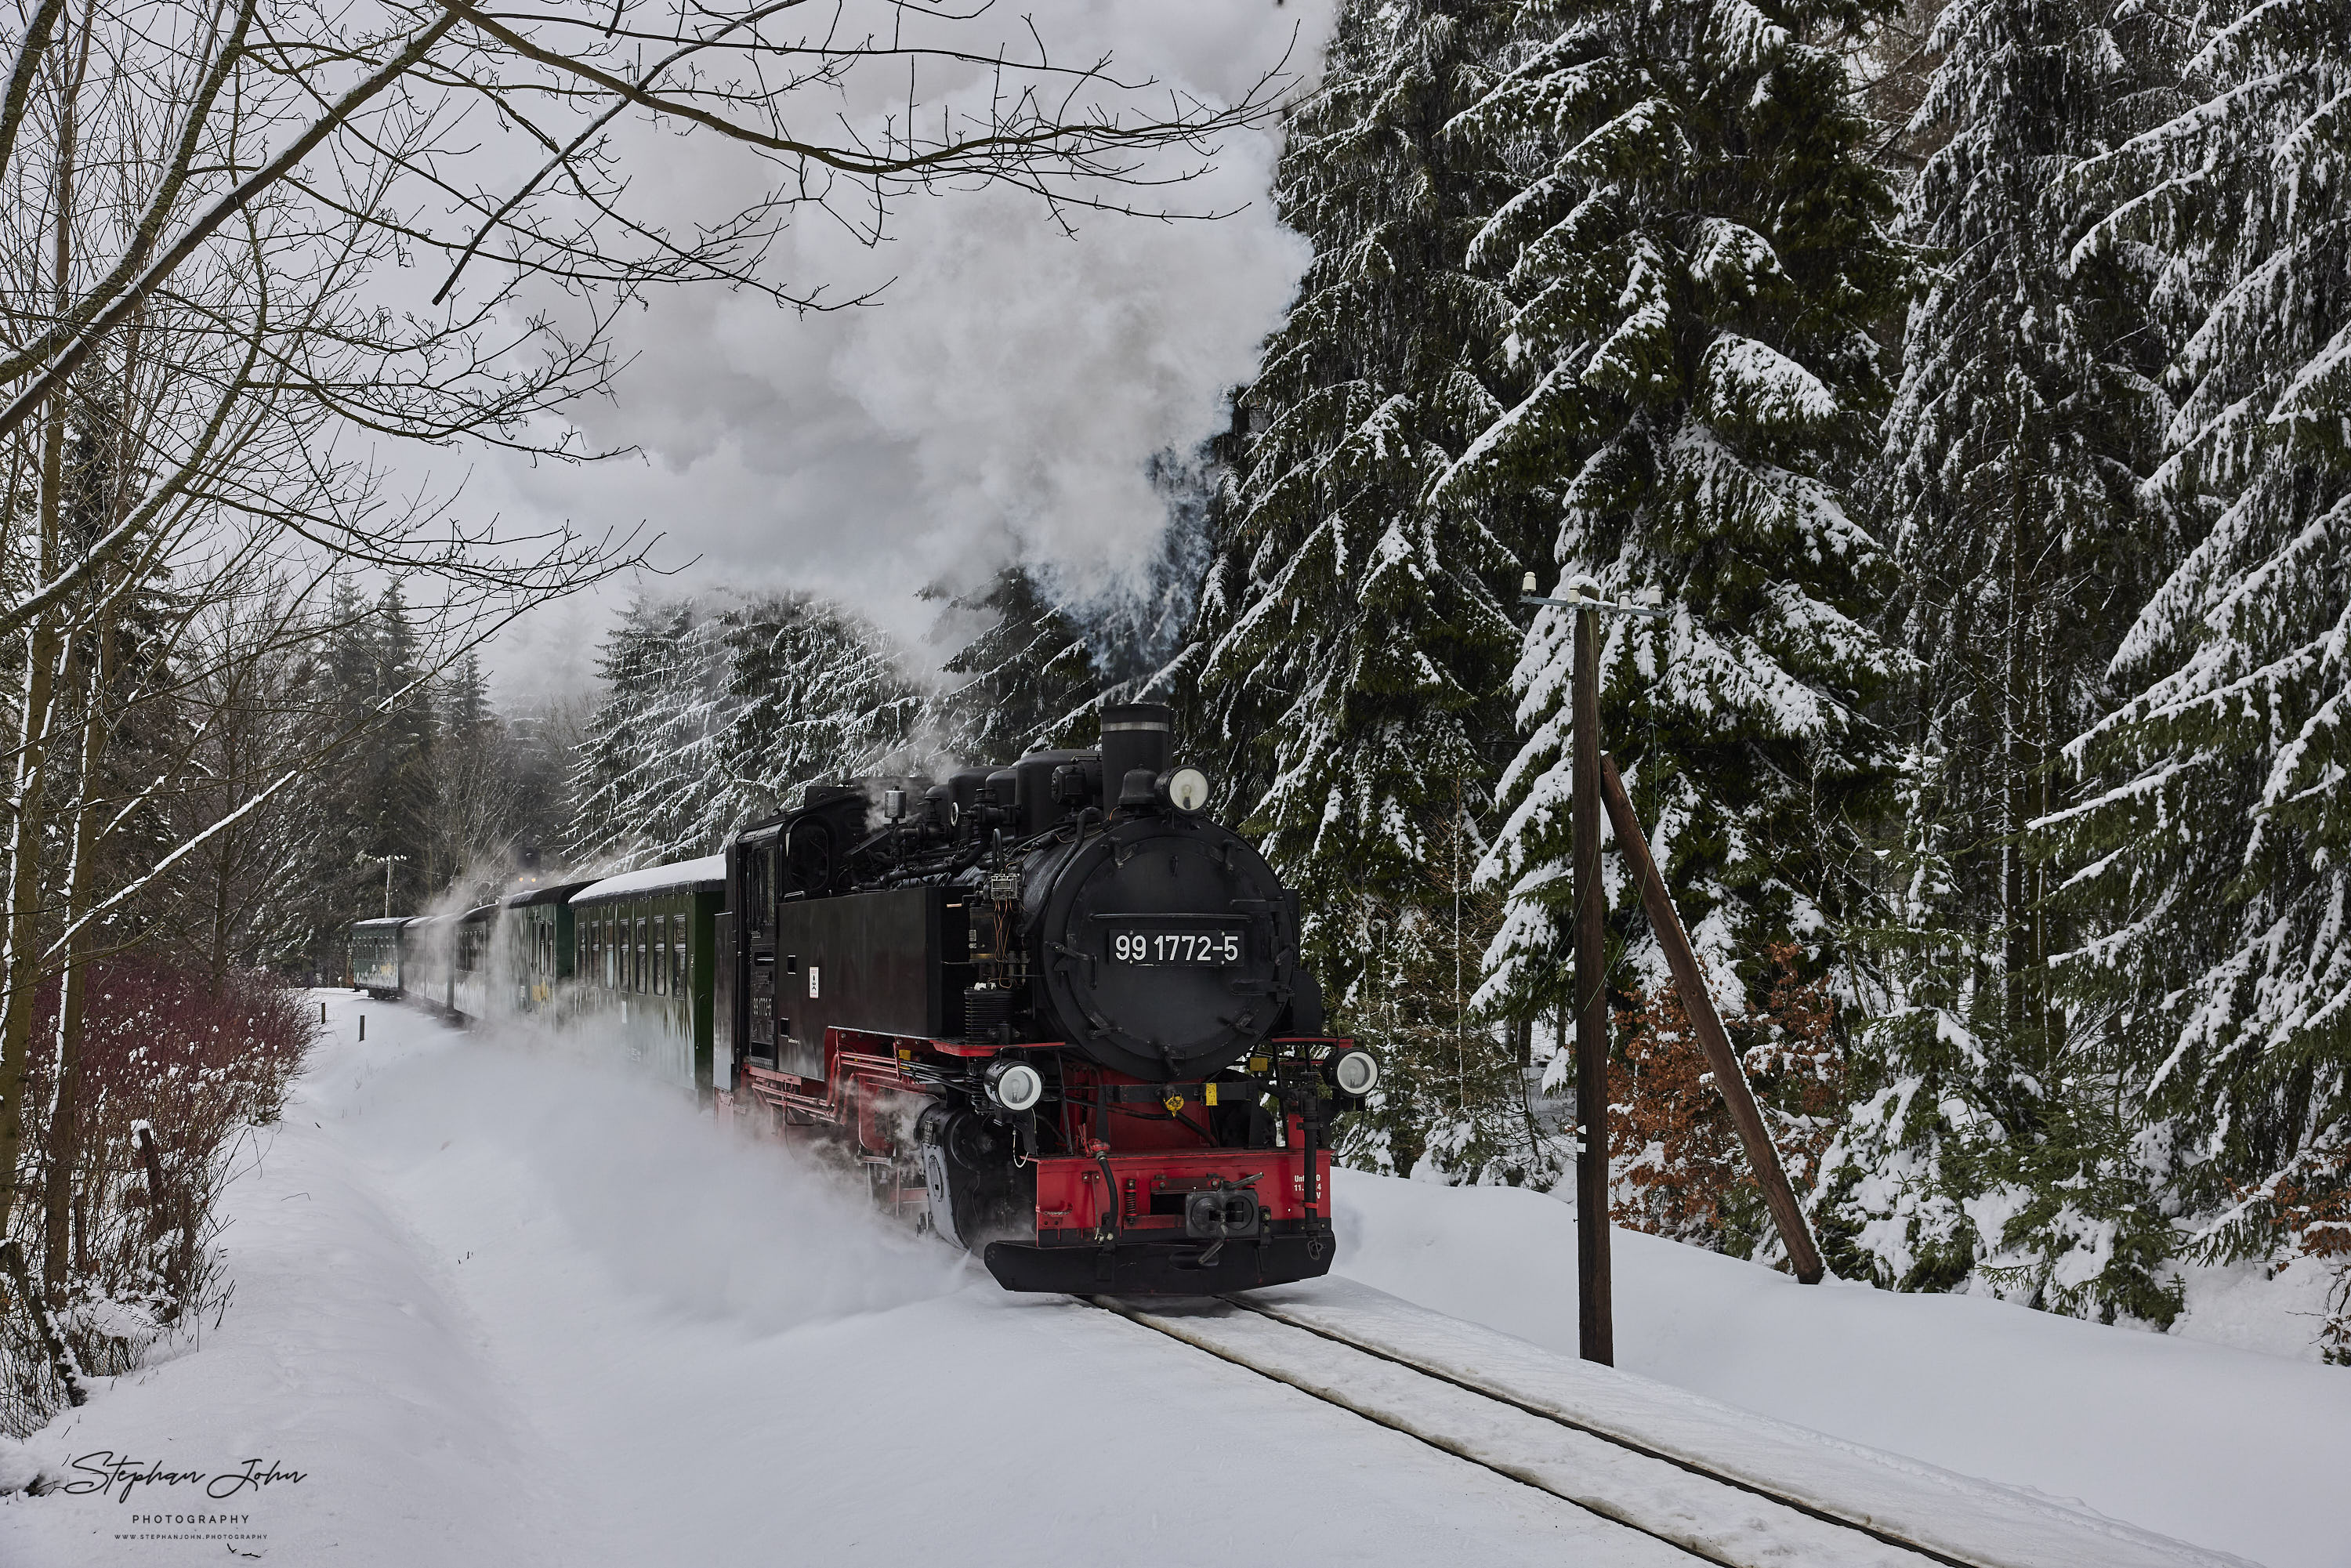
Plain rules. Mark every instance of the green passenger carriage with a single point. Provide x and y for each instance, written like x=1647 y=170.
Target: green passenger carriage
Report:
x=375 y=955
x=640 y=950
x=537 y=927
x=427 y=943
x=473 y=960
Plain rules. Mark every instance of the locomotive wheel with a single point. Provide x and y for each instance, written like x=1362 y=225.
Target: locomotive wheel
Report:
x=977 y=1194
x=978 y=1145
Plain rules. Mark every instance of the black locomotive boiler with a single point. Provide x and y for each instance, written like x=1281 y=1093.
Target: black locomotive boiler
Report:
x=1056 y=1012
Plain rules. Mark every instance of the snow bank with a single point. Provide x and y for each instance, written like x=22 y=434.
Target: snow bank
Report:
x=503 y=1309
x=652 y=1206
x=2229 y=1450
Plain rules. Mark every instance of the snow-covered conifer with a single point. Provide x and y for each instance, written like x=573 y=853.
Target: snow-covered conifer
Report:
x=1698 y=256
x=2026 y=413
x=1027 y=679
x=2218 y=975
x=819 y=695
x=1354 y=637
x=714 y=715
x=647 y=760
x=381 y=794
x=1457 y=1098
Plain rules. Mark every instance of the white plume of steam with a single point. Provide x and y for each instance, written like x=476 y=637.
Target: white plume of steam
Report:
x=1004 y=400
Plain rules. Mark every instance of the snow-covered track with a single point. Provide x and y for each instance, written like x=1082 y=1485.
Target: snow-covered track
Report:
x=1700 y=1514
x=1717 y=1484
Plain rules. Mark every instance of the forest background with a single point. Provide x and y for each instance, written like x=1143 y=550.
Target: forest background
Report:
x=1971 y=384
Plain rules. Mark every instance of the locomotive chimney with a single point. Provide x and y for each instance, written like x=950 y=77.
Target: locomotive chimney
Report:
x=1135 y=735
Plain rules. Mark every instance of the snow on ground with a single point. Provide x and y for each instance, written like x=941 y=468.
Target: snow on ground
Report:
x=2229 y=1449
x=498 y=1307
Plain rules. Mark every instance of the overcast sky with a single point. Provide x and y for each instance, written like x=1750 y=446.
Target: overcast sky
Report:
x=1002 y=400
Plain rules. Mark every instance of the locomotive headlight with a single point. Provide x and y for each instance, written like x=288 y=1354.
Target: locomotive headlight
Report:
x=1015 y=1086
x=1187 y=789
x=1356 y=1073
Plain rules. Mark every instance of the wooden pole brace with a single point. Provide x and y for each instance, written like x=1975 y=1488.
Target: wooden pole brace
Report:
x=1730 y=1078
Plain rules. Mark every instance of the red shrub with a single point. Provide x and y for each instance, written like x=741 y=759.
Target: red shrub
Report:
x=196 y=1064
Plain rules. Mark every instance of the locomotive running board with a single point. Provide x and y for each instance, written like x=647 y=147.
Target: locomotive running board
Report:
x=1157 y=1269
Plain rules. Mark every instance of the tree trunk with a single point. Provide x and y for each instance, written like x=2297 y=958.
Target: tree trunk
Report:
x=20 y=975
x=64 y=1100
x=2012 y=804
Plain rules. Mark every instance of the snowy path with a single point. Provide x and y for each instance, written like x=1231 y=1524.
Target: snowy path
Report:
x=497 y=1308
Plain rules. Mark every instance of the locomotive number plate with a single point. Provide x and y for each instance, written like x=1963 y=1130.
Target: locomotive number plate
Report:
x=1210 y=947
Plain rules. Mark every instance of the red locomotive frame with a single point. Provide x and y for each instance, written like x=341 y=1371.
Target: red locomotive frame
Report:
x=1111 y=1215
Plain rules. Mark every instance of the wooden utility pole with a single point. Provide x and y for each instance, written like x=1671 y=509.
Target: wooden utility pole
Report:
x=1594 y=1296
x=1593 y=778
x=1730 y=1078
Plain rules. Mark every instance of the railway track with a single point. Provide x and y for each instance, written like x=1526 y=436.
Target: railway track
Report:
x=1732 y=1514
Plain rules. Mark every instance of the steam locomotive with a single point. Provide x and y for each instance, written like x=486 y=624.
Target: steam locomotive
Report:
x=1056 y=1013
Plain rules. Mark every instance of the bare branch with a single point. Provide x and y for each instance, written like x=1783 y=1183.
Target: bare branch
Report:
x=63 y=366
x=20 y=76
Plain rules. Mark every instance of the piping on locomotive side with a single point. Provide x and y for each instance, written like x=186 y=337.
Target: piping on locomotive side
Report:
x=1057 y=1013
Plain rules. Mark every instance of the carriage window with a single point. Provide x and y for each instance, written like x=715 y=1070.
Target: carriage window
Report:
x=660 y=955
x=644 y=979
